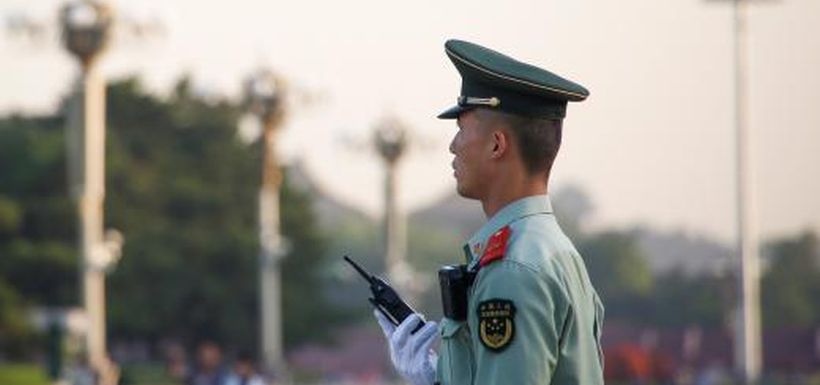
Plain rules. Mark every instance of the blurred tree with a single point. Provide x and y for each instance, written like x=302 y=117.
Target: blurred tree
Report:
x=183 y=190
x=183 y=187
x=790 y=288
x=681 y=300
x=429 y=248
x=10 y=218
x=15 y=332
x=310 y=316
x=36 y=216
x=36 y=228
x=617 y=267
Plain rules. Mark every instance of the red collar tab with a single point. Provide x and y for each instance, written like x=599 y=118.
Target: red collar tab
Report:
x=496 y=246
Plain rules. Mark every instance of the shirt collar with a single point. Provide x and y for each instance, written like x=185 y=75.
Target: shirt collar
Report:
x=531 y=205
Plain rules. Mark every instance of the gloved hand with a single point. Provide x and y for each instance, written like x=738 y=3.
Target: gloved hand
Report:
x=411 y=354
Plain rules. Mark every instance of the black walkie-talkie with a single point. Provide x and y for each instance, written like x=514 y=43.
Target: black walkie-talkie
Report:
x=385 y=299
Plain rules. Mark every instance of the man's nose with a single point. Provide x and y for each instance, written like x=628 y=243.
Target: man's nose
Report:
x=453 y=146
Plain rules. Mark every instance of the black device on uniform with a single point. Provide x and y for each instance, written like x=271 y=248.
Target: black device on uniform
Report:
x=455 y=281
x=384 y=298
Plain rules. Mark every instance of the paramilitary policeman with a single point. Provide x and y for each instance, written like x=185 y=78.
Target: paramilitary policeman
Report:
x=530 y=313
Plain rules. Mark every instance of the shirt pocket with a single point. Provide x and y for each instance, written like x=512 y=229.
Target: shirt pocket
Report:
x=456 y=361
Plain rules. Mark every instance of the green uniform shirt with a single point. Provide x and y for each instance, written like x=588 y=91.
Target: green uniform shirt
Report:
x=533 y=316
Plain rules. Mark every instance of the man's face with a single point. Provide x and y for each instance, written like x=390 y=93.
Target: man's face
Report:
x=472 y=147
x=210 y=356
x=243 y=368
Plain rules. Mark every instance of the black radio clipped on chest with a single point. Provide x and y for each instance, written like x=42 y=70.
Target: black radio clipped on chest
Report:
x=455 y=282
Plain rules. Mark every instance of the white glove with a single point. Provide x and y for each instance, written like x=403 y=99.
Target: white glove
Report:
x=411 y=354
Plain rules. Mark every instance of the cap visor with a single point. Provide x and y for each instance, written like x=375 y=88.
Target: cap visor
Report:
x=452 y=112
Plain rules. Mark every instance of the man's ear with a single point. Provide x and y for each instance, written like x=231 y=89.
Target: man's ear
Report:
x=500 y=142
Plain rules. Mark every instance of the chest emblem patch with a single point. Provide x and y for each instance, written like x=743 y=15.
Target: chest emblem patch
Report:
x=496 y=323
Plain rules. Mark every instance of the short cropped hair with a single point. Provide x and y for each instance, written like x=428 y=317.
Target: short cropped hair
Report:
x=538 y=140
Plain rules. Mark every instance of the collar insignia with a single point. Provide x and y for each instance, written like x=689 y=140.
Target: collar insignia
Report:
x=496 y=246
x=477 y=248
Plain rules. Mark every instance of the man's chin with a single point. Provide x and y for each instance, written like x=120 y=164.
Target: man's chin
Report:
x=464 y=192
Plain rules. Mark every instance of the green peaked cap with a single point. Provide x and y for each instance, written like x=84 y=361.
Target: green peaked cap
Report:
x=490 y=79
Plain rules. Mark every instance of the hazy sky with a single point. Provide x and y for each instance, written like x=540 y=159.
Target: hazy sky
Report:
x=653 y=144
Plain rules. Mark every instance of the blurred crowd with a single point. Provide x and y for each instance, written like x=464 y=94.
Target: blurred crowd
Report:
x=210 y=367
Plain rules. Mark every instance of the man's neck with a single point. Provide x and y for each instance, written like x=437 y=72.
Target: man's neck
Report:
x=504 y=194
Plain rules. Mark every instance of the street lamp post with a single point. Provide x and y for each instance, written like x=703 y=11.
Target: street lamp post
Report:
x=748 y=332
x=747 y=341
x=390 y=139
x=264 y=93
x=86 y=28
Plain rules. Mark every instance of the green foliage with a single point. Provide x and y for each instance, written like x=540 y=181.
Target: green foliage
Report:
x=32 y=163
x=23 y=374
x=680 y=301
x=15 y=334
x=10 y=218
x=145 y=374
x=36 y=218
x=44 y=272
x=791 y=286
x=36 y=228
x=431 y=248
x=183 y=190
x=309 y=314
x=617 y=266
x=358 y=237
